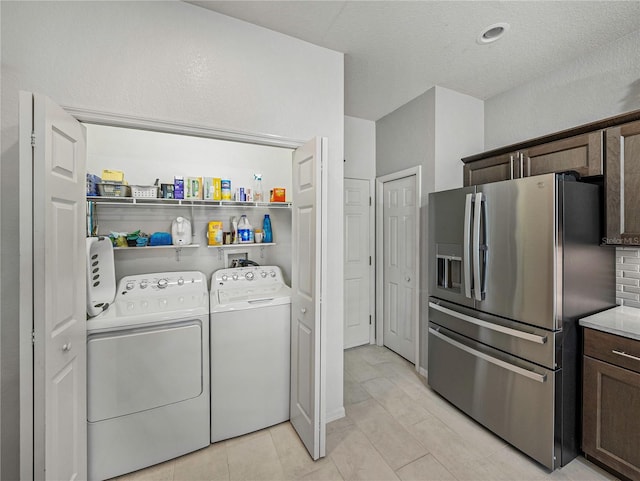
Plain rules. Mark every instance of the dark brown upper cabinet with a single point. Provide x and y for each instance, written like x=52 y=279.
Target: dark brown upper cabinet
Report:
x=581 y=154
x=608 y=148
x=622 y=184
x=492 y=169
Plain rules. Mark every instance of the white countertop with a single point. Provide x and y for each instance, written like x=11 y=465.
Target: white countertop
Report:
x=621 y=321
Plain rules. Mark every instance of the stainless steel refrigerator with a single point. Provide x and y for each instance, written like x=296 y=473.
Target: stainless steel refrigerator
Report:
x=513 y=266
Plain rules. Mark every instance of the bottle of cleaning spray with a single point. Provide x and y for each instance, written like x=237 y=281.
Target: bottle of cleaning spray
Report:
x=257 y=188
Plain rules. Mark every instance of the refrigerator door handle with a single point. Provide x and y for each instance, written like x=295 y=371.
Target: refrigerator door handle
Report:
x=478 y=288
x=527 y=336
x=521 y=155
x=493 y=360
x=467 y=241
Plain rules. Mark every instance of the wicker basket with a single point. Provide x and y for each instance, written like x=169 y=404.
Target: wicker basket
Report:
x=113 y=189
x=145 y=191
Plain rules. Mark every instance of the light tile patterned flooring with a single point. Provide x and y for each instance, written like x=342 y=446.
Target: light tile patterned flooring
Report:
x=396 y=428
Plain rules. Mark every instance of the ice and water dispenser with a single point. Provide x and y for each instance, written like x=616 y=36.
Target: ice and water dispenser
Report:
x=449 y=260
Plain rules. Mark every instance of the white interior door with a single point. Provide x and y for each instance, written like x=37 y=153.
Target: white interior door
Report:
x=58 y=292
x=399 y=266
x=357 y=263
x=307 y=416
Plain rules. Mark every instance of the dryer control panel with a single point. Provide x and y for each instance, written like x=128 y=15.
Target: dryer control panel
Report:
x=161 y=284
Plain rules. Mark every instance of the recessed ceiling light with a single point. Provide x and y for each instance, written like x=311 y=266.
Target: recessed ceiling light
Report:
x=492 y=33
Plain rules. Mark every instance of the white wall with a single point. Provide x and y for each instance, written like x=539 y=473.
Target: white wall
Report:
x=601 y=84
x=359 y=148
x=167 y=61
x=434 y=130
x=144 y=156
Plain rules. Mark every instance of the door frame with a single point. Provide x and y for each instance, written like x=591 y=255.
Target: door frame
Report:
x=29 y=459
x=372 y=247
x=26 y=343
x=380 y=181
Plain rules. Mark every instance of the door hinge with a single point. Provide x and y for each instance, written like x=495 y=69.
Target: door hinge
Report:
x=33 y=139
x=369 y=260
x=369 y=319
x=369 y=201
x=33 y=337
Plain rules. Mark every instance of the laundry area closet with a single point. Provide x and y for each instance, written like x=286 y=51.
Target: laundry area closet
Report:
x=189 y=342
x=173 y=361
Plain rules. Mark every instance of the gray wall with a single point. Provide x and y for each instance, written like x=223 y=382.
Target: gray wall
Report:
x=435 y=130
x=166 y=61
x=404 y=139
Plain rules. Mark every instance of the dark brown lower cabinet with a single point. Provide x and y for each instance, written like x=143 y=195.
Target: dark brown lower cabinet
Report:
x=611 y=403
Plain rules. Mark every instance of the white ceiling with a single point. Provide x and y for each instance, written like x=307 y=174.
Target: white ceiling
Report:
x=396 y=50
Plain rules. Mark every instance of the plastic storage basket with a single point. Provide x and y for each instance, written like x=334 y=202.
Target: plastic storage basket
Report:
x=146 y=191
x=113 y=189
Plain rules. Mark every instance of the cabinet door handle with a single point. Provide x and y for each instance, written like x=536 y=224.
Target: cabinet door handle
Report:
x=511 y=165
x=521 y=155
x=624 y=354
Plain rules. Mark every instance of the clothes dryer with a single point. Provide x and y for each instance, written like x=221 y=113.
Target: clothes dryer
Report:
x=250 y=350
x=148 y=397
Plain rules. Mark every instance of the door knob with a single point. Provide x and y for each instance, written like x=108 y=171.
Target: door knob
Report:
x=66 y=347
x=303 y=310
x=407 y=278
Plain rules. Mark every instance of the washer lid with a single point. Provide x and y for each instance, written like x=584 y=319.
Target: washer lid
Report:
x=241 y=299
x=228 y=296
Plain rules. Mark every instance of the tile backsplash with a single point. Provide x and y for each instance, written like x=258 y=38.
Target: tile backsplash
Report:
x=628 y=276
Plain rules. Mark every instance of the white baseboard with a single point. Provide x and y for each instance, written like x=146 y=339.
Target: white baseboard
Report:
x=423 y=372
x=335 y=415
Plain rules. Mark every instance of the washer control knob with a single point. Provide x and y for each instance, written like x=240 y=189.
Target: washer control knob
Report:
x=249 y=276
x=143 y=284
x=163 y=283
x=130 y=285
x=224 y=278
x=180 y=281
x=272 y=273
x=263 y=274
x=235 y=277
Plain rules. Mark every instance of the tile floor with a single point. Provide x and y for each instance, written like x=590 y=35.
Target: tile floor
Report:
x=396 y=428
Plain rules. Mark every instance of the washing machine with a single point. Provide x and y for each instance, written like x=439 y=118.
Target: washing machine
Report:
x=250 y=350
x=148 y=396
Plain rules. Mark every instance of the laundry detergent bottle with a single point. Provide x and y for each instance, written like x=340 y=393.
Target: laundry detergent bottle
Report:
x=245 y=232
x=266 y=229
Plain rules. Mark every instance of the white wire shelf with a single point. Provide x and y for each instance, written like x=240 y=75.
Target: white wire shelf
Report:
x=147 y=201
